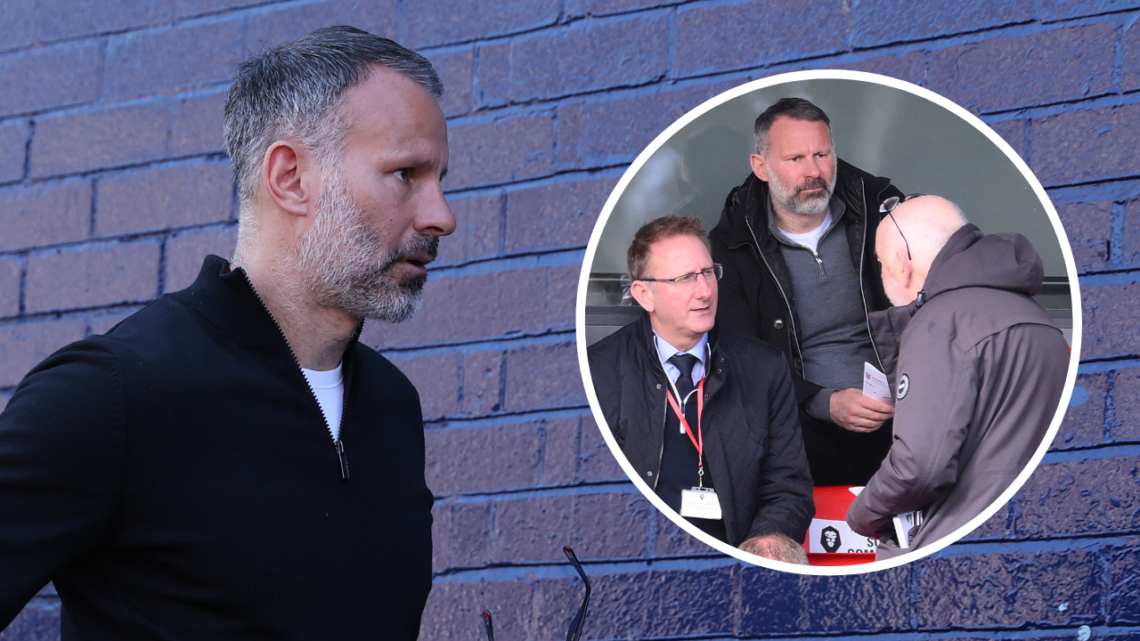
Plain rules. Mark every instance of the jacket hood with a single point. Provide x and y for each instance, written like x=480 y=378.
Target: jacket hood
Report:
x=973 y=259
x=969 y=259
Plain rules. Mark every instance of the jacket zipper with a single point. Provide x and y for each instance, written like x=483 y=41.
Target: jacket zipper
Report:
x=338 y=444
x=862 y=290
x=791 y=316
x=819 y=261
x=664 y=418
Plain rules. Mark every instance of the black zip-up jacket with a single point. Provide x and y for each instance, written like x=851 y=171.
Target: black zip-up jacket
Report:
x=751 y=436
x=176 y=479
x=756 y=300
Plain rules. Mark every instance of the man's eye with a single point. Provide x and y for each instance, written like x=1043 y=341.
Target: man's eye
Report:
x=686 y=279
x=402 y=174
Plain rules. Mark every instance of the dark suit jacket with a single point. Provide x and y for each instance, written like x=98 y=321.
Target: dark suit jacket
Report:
x=752 y=435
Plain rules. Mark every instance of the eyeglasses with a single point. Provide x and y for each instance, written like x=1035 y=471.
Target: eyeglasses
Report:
x=579 y=620
x=888 y=206
x=716 y=271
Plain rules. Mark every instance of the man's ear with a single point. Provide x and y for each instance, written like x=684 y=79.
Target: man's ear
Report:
x=291 y=176
x=905 y=269
x=642 y=294
x=759 y=167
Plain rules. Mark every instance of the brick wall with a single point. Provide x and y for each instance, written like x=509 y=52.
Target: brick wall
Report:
x=113 y=184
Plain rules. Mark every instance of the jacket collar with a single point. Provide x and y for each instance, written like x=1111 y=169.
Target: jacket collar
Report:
x=714 y=368
x=227 y=299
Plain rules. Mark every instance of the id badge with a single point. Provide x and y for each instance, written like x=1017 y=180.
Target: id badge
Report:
x=700 y=503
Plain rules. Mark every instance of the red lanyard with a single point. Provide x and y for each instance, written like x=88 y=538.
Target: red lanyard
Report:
x=699 y=439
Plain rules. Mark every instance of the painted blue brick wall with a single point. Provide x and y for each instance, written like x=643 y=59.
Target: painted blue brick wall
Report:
x=111 y=160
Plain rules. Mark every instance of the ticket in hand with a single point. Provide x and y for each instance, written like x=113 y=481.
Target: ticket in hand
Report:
x=875 y=384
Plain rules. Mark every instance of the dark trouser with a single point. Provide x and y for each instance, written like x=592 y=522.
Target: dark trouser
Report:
x=839 y=457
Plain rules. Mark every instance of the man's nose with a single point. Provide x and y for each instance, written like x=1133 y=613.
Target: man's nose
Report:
x=705 y=285
x=434 y=216
x=813 y=168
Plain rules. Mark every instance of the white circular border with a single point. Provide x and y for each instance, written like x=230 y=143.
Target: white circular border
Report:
x=828 y=74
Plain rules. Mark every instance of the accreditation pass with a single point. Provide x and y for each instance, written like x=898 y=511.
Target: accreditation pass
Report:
x=700 y=503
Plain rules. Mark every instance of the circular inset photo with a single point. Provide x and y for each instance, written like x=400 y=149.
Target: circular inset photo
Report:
x=826 y=322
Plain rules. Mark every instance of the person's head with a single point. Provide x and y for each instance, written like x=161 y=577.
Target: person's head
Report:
x=668 y=248
x=795 y=155
x=338 y=145
x=909 y=238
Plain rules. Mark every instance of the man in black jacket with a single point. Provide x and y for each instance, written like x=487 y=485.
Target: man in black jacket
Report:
x=187 y=474
x=800 y=273
x=707 y=418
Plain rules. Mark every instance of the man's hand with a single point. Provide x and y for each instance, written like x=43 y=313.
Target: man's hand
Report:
x=857 y=413
x=777 y=547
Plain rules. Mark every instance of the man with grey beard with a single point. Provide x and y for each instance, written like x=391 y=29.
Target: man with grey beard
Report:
x=800 y=273
x=187 y=474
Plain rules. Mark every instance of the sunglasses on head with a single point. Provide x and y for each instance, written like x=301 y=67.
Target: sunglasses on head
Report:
x=888 y=206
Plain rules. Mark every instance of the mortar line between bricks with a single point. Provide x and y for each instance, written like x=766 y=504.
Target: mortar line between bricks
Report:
x=540 y=468
x=129 y=237
x=1118 y=58
x=1028 y=140
x=558 y=28
x=503 y=420
x=1110 y=407
x=93 y=208
x=1015 y=29
x=482 y=344
x=555 y=569
x=1122 y=183
x=1108 y=450
x=1104 y=564
x=1059 y=543
x=22 y=294
x=70 y=313
x=560 y=257
x=997 y=633
x=206 y=18
x=1125 y=276
x=160 y=277
x=1115 y=363
x=28 y=151
x=1090 y=17
x=747 y=74
x=560 y=177
x=1111 y=189
x=162 y=162
x=511 y=418
x=543 y=491
x=232 y=11
x=1116 y=240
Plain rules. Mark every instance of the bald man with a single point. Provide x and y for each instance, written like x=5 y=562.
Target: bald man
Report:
x=976 y=364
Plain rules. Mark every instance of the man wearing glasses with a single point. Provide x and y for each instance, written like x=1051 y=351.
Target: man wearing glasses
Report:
x=708 y=419
x=977 y=365
x=797 y=243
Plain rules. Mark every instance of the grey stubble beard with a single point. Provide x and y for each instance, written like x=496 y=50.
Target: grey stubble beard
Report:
x=789 y=197
x=345 y=265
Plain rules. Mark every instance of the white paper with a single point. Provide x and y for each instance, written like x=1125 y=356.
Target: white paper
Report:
x=700 y=503
x=836 y=537
x=875 y=384
x=903 y=524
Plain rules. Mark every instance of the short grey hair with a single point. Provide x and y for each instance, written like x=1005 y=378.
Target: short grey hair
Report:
x=295 y=90
x=794 y=108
